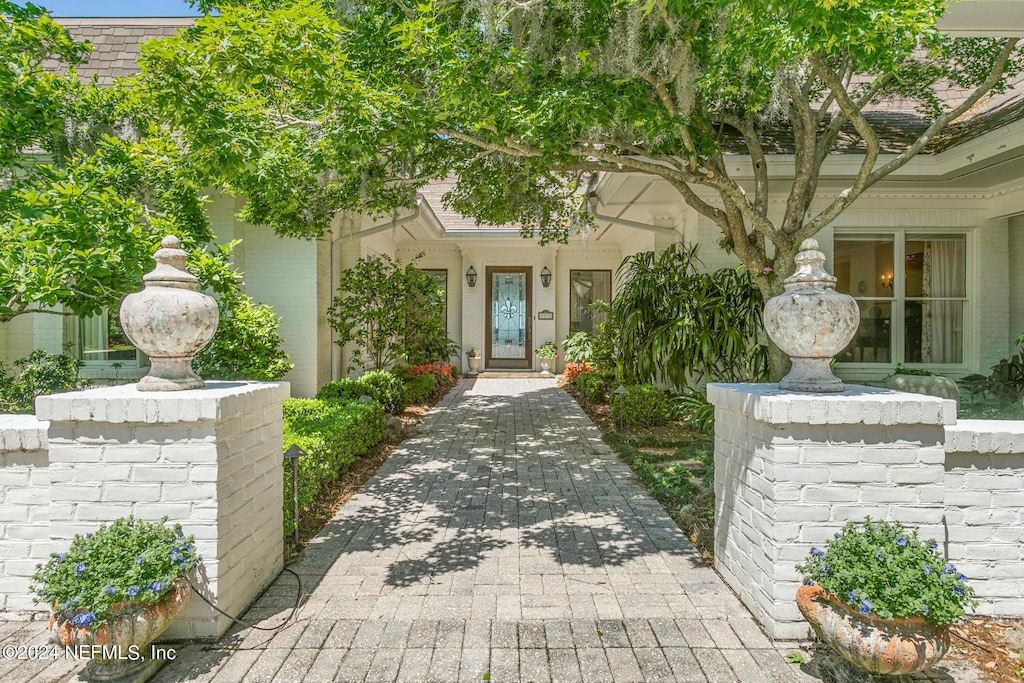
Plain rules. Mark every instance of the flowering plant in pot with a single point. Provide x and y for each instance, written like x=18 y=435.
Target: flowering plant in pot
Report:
x=119 y=587
x=548 y=351
x=883 y=598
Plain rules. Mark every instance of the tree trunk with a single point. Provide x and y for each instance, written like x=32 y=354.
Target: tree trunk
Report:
x=783 y=266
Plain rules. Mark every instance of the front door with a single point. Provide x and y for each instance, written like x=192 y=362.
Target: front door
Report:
x=509 y=342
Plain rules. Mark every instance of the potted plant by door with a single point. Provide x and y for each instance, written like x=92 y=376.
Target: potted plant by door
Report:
x=882 y=598
x=547 y=353
x=118 y=588
x=476 y=361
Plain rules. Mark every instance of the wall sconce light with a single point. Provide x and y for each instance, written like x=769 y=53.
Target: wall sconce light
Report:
x=545 y=277
x=471 y=277
x=887 y=282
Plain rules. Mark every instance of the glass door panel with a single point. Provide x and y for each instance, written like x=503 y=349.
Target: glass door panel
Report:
x=509 y=318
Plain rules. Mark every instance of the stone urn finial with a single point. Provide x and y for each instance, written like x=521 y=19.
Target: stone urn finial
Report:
x=811 y=322
x=170 y=320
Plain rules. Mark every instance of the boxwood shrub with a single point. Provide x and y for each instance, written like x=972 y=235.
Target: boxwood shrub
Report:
x=333 y=434
x=383 y=387
x=419 y=388
x=593 y=386
x=643 y=405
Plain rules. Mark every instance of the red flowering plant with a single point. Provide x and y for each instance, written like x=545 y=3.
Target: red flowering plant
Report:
x=442 y=372
x=573 y=370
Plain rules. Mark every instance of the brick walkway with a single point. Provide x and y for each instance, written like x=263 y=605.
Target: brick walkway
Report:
x=505 y=542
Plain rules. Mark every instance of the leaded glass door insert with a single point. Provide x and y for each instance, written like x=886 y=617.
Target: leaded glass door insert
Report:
x=508 y=338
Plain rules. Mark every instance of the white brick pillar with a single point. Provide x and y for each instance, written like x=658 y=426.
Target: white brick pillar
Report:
x=207 y=458
x=792 y=468
x=24 y=511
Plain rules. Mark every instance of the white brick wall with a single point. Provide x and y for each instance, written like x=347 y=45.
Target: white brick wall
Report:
x=791 y=469
x=984 y=510
x=209 y=459
x=24 y=511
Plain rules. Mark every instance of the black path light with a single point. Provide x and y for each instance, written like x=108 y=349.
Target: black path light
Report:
x=619 y=393
x=293 y=454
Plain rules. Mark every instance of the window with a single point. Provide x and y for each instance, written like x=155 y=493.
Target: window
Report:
x=586 y=287
x=912 y=292
x=440 y=277
x=99 y=340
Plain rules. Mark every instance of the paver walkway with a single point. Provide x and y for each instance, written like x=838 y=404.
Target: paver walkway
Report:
x=505 y=542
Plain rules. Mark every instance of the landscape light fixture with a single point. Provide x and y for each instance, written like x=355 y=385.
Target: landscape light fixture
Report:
x=471 y=276
x=545 y=277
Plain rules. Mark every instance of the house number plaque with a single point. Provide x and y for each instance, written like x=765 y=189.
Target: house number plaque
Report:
x=545 y=315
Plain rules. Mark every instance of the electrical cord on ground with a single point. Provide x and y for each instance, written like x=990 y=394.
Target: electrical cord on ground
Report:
x=291 y=615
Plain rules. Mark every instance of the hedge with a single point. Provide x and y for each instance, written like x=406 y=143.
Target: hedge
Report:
x=383 y=387
x=333 y=434
x=643 y=405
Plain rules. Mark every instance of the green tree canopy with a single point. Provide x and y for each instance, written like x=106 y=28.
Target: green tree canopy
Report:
x=309 y=108
x=88 y=182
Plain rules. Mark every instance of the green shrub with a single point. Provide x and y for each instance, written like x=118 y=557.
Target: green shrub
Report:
x=246 y=345
x=37 y=374
x=344 y=389
x=643 y=405
x=385 y=388
x=578 y=348
x=419 y=388
x=593 y=386
x=333 y=434
x=694 y=409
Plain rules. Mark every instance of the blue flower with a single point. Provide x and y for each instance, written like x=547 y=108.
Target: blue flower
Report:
x=79 y=568
x=836 y=536
x=132 y=592
x=935 y=545
x=174 y=555
x=901 y=542
x=138 y=559
x=808 y=583
x=110 y=590
x=83 y=620
x=852 y=596
x=926 y=610
x=816 y=552
x=824 y=569
x=878 y=554
x=959 y=590
x=961 y=578
x=61 y=556
x=927 y=569
x=156 y=586
x=950 y=568
x=865 y=607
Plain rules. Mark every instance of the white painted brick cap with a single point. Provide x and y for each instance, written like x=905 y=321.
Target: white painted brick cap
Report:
x=125 y=403
x=22 y=433
x=857 y=405
x=985 y=436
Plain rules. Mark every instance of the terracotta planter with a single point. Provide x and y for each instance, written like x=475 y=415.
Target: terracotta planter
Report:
x=126 y=636
x=880 y=646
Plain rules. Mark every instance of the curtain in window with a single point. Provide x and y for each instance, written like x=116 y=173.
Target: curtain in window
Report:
x=943 y=320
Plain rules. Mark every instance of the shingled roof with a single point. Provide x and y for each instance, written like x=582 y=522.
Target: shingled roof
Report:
x=115 y=42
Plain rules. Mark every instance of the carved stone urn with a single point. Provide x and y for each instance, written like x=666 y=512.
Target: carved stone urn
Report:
x=170 y=320
x=811 y=322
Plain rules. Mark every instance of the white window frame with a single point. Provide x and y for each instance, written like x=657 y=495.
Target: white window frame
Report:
x=899 y=298
x=140 y=360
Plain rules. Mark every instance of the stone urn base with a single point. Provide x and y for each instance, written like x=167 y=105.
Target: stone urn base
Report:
x=476 y=364
x=124 y=640
x=545 y=367
x=878 y=646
